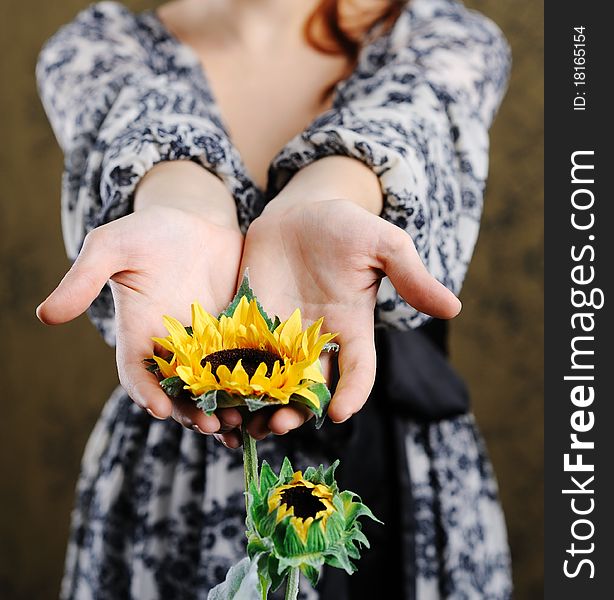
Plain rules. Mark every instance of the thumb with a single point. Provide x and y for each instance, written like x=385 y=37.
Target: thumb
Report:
x=405 y=269
x=82 y=283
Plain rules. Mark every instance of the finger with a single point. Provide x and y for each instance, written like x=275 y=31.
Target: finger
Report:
x=230 y=418
x=356 y=373
x=258 y=425
x=406 y=271
x=186 y=413
x=288 y=418
x=83 y=282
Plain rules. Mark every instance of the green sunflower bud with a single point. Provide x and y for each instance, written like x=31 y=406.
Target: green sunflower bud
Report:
x=303 y=521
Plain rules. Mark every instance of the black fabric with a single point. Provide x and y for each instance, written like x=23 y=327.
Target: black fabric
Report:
x=414 y=380
x=414 y=375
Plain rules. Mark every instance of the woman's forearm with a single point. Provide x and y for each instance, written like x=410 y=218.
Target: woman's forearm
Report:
x=185 y=185
x=333 y=177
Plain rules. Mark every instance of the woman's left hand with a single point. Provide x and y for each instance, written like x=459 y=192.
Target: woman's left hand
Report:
x=327 y=258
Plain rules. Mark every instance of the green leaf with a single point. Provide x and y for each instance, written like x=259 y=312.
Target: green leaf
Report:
x=172 y=386
x=311 y=574
x=245 y=291
x=242 y=582
x=286 y=472
x=207 y=402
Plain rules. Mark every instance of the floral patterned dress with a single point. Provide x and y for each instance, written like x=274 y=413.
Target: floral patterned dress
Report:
x=160 y=509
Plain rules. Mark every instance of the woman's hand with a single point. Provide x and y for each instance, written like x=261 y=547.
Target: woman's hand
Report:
x=181 y=244
x=327 y=257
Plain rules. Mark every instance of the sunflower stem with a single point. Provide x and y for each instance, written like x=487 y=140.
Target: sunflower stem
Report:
x=250 y=460
x=292 y=584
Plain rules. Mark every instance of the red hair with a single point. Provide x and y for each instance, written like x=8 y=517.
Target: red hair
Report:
x=326 y=31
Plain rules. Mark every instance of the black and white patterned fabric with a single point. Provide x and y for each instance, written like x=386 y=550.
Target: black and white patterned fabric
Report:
x=159 y=510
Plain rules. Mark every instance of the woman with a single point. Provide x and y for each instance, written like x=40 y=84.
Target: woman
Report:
x=322 y=144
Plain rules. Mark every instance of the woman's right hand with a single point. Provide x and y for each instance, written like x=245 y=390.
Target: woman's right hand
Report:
x=181 y=244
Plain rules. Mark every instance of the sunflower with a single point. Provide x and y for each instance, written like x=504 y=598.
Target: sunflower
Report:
x=243 y=358
x=302 y=520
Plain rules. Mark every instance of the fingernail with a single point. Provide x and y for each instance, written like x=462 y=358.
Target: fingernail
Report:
x=197 y=429
x=221 y=440
x=342 y=420
x=153 y=414
x=282 y=433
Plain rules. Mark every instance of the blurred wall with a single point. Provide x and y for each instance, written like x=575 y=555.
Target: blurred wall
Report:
x=55 y=381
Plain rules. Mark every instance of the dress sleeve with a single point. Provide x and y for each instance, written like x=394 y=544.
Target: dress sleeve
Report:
x=417 y=111
x=118 y=105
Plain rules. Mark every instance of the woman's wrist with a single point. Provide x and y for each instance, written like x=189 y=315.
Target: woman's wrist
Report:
x=333 y=177
x=187 y=186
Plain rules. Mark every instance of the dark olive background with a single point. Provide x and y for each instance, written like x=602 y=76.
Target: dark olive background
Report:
x=55 y=381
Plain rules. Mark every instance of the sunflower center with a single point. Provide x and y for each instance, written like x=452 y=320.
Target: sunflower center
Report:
x=300 y=498
x=250 y=359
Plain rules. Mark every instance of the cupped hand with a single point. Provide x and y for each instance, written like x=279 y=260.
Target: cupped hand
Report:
x=327 y=258
x=158 y=260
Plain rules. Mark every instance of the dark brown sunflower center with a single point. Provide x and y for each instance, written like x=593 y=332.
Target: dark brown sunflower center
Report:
x=250 y=359
x=301 y=498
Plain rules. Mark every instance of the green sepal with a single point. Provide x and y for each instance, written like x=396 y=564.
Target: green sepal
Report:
x=360 y=537
x=245 y=291
x=330 y=347
x=352 y=550
x=358 y=509
x=189 y=330
x=286 y=472
x=172 y=386
x=323 y=394
x=311 y=573
x=207 y=402
x=276 y=323
x=255 y=546
x=340 y=560
x=335 y=527
x=255 y=403
x=316 y=538
x=151 y=365
x=310 y=474
x=264 y=577
x=267 y=478
x=277 y=576
x=292 y=544
x=267 y=524
x=329 y=475
x=210 y=401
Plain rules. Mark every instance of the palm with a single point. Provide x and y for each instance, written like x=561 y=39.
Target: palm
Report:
x=159 y=261
x=327 y=258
